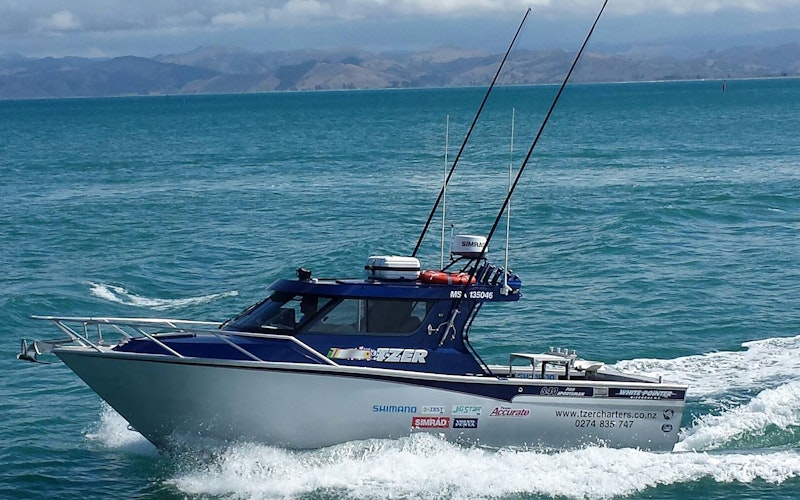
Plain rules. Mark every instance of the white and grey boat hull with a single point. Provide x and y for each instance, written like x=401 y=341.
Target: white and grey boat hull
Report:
x=311 y=405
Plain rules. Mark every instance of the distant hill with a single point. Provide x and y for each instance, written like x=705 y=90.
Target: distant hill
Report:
x=235 y=70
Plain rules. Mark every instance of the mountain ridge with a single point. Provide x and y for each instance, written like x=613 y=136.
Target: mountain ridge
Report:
x=234 y=70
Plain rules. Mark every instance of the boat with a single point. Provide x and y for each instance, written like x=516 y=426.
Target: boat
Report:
x=383 y=355
x=325 y=361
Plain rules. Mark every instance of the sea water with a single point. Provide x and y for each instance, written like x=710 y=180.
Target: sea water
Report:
x=656 y=228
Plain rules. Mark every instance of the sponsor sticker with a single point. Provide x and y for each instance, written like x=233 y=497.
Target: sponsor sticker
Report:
x=650 y=394
x=430 y=422
x=565 y=391
x=465 y=423
x=394 y=409
x=467 y=410
x=505 y=411
x=433 y=410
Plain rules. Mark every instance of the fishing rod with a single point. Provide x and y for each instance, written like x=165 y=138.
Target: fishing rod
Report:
x=507 y=200
x=466 y=138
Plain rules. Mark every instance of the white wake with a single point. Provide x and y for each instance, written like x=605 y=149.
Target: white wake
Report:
x=120 y=295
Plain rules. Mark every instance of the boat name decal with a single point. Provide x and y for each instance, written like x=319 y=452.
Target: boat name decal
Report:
x=433 y=410
x=393 y=409
x=643 y=394
x=504 y=411
x=465 y=423
x=469 y=410
x=380 y=355
x=565 y=391
x=430 y=422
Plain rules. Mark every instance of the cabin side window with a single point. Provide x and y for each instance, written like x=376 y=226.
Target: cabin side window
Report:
x=377 y=317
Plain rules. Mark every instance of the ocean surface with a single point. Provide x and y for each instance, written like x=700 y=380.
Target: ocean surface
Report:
x=656 y=228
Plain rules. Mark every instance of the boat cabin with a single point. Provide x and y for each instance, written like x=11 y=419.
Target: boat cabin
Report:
x=400 y=322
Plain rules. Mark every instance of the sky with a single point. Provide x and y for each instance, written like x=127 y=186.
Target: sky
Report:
x=108 y=28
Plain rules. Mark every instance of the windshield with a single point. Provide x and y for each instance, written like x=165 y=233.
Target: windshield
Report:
x=281 y=311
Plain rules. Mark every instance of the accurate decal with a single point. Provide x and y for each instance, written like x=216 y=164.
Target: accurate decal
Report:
x=430 y=422
x=504 y=411
x=433 y=410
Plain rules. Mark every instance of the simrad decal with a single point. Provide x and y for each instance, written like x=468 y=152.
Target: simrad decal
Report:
x=430 y=422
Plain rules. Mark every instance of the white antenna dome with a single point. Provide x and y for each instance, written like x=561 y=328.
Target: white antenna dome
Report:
x=465 y=245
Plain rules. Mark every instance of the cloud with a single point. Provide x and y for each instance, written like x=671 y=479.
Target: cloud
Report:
x=112 y=15
x=296 y=11
x=159 y=24
x=62 y=20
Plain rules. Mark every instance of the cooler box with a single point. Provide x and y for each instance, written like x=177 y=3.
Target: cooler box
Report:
x=392 y=267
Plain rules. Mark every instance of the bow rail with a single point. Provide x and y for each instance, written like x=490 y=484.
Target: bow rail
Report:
x=92 y=332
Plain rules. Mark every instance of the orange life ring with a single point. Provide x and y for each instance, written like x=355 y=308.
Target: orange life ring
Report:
x=443 y=278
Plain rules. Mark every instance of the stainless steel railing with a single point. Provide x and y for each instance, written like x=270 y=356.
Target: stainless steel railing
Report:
x=91 y=332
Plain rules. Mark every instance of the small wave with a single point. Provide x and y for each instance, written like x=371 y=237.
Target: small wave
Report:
x=763 y=363
x=120 y=295
x=772 y=408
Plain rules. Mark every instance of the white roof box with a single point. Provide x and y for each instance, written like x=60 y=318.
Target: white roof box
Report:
x=469 y=246
x=392 y=267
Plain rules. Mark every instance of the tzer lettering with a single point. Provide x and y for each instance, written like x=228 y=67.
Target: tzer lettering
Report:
x=399 y=355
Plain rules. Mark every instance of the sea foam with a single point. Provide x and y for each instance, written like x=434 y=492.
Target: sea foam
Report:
x=762 y=363
x=120 y=295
